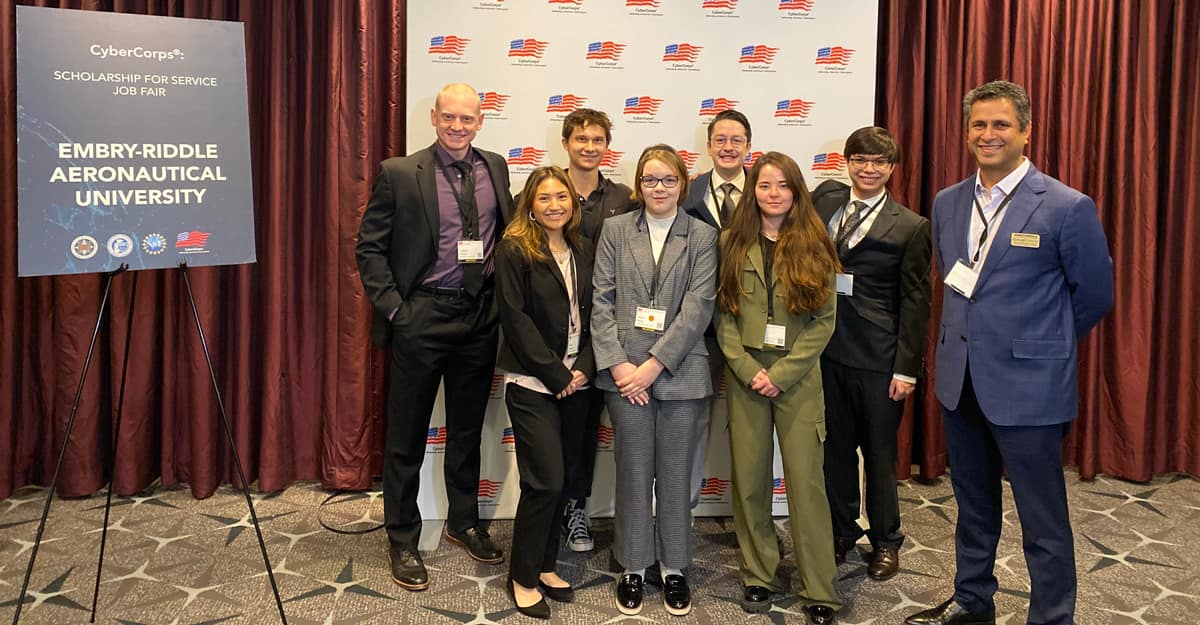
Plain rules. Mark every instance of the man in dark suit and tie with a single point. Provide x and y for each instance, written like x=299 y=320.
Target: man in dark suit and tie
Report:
x=1027 y=275
x=711 y=198
x=872 y=362
x=425 y=257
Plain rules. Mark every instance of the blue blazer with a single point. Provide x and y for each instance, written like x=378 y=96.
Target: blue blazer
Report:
x=1031 y=305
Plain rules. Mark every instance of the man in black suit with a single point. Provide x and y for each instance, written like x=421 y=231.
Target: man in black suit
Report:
x=425 y=257
x=711 y=198
x=872 y=362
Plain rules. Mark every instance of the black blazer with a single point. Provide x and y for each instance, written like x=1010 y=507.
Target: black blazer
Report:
x=535 y=312
x=398 y=236
x=698 y=191
x=883 y=326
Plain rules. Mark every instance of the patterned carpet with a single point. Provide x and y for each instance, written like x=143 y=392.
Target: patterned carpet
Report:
x=175 y=560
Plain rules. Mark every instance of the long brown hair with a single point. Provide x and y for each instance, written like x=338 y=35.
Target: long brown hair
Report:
x=528 y=236
x=804 y=257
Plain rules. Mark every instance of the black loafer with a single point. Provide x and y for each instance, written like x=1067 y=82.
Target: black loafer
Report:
x=477 y=544
x=629 y=594
x=407 y=569
x=951 y=613
x=563 y=594
x=819 y=614
x=756 y=599
x=541 y=609
x=676 y=595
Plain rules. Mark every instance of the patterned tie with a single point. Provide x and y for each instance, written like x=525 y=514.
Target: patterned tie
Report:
x=472 y=281
x=854 y=216
x=726 y=208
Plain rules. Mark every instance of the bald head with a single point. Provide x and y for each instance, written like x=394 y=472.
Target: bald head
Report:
x=456 y=117
x=456 y=91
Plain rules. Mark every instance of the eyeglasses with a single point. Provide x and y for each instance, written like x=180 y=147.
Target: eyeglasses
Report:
x=670 y=182
x=721 y=140
x=861 y=162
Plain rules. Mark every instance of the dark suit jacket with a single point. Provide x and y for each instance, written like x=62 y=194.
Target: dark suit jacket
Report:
x=535 y=312
x=1031 y=304
x=883 y=325
x=698 y=191
x=398 y=237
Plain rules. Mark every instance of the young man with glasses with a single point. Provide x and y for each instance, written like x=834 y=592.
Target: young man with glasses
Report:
x=875 y=356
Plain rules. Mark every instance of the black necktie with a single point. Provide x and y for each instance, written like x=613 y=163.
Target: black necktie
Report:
x=472 y=281
x=725 y=211
x=855 y=213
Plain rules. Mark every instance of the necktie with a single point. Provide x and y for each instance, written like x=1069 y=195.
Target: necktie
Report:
x=725 y=211
x=854 y=216
x=472 y=281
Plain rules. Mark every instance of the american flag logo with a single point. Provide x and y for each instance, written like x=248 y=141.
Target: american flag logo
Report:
x=436 y=436
x=564 y=103
x=574 y=2
x=750 y=160
x=712 y=106
x=191 y=238
x=794 y=107
x=604 y=435
x=525 y=156
x=526 y=48
x=713 y=486
x=828 y=161
x=492 y=101
x=689 y=158
x=719 y=4
x=448 y=44
x=497 y=391
x=795 y=5
x=489 y=488
x=642 y=105
x=681 y=53
x=605 y=51
x=611 y=158
x=642 y=3
x=778 y=486
x=757 y=54
x=506 y=437
x=835 y=55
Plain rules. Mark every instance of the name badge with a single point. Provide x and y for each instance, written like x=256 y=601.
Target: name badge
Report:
x=1024 y=239
x=572 y=343
x=962 y=279
x=845 y=284
x=470 y=251
x=652 y=319
x=775 y=335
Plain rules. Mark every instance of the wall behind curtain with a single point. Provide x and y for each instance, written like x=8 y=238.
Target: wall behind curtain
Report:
x=1115 y=90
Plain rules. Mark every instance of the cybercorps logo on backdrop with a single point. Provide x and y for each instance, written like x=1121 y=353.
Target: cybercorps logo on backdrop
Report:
x=611 y=159
x=713 y=488
x=566 y=6
x=828 y=163
x=719 y=8
x=681 y=57
x=757 y=58
x=492 y=102
x=641 y=109
x=527 y=155
x=712 y=106
x=796 y=9
x=604 y=54
x=489 y=491
x=448 y=48
x=834 y=58
x=490 y=5
x=642 y=7
x=793 y=112
x=435 y=440
x=564 y=103
x=604 y=437
x=192 y=242
x=527 y=51
x=689 y=159
x=751 y=158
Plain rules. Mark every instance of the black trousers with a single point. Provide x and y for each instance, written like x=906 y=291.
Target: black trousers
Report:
x=537 y=421
x=579 y=447
x=435 y=339
x=859 y=413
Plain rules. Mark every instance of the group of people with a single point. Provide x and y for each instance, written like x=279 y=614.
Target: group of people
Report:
x=814 y=304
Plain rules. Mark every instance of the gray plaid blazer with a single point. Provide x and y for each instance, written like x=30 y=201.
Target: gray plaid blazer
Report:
x=622 y=279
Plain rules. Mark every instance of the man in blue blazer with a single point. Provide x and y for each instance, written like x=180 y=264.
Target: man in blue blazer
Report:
x=1027 y=274
x=711 y=198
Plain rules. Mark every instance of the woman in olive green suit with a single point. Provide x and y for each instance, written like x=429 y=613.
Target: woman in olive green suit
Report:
x=775 y=300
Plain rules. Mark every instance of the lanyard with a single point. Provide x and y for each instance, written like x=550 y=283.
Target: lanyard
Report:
x=983 y=236
x=858 y=221
x=658 y=261
x=468 y=221
x=574 y=298
x=767 y=249
x=712 y=191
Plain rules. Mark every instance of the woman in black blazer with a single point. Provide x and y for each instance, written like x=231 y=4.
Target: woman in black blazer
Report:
x=544 y=292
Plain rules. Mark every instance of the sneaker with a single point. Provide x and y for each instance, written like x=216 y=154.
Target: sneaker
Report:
x=575 y=525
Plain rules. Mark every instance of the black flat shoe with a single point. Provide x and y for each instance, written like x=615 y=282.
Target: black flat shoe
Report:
x=676 y=595
x=563 y=594
x=756 y=599
x=541 y=609
x=629 y=594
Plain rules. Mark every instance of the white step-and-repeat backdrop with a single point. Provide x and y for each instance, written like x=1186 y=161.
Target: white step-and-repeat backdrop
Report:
x=803 y=71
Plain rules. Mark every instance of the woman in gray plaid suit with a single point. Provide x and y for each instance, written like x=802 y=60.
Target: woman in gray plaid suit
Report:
x=654 y=282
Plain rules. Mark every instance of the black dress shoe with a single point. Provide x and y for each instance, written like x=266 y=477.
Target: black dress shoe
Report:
x=541 y=609
x=676 y=595
x=478 y=545
x=756 y=599
x=951 y=613
x=841 y=547
x=885 y=562
x=561 y=594
x=629 y=594
x=819 y=614
x=407 y=569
